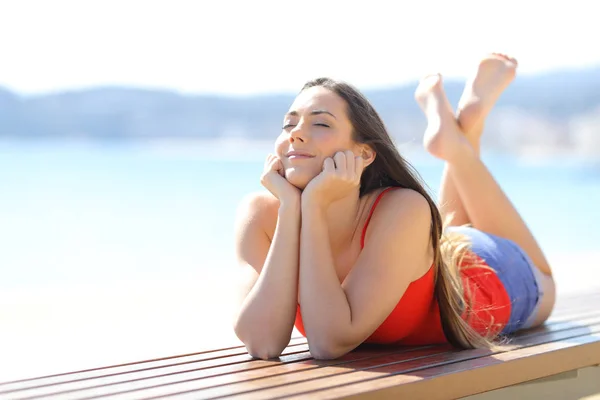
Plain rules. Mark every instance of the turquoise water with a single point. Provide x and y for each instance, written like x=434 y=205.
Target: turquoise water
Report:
x=73 y=213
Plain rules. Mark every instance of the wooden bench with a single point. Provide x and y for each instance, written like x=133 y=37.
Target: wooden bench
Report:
x=569 y=342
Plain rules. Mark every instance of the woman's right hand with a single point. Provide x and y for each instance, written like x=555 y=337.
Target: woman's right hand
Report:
x=273 y=179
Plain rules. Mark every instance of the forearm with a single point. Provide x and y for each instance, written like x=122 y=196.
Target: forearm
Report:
x=267 y=314
x=326 y=313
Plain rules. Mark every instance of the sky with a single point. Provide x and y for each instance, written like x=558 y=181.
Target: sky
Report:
x=261 y=46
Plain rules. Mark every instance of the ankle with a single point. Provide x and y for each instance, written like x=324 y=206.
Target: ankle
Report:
x=463 y=154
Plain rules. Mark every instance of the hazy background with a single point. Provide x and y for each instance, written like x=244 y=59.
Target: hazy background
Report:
x=130 y=130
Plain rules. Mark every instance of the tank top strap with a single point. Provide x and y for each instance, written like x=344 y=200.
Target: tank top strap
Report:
x=364 y=232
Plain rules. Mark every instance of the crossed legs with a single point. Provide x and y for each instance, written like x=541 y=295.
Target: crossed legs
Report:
x=469 y=194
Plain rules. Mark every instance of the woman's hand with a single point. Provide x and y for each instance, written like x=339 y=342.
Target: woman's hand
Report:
x=340 y=176
x=273 y=179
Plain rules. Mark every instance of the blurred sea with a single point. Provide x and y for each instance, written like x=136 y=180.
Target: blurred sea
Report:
x=75 y=213
x=124 y=252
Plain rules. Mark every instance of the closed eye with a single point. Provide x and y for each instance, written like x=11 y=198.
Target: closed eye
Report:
x=286 y=126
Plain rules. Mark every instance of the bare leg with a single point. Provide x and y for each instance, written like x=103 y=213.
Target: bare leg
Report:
x=488 y=207
x=494 y=73
x=450 y=204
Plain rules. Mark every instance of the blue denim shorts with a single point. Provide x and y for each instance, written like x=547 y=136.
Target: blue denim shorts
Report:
x=518 y=274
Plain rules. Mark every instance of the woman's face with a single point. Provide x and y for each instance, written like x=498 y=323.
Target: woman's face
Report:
x=315 y=127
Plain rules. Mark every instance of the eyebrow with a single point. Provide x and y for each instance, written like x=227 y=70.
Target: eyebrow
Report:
x=314 y=112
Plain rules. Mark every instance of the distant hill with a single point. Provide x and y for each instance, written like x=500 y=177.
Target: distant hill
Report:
x=554 y=110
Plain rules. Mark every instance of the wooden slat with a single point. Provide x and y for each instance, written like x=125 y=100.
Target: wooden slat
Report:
x=239 y=381
x=210 y=359
x=211 y=354
x=222 y=374
x=216 y=383
x=226 y=372
x=148 y=368
x=291 y=384
x=479 y=375
x=257 y=368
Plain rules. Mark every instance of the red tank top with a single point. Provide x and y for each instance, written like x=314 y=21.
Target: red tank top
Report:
x=416 y=318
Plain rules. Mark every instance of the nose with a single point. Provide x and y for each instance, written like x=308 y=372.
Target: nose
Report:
x=298 y=133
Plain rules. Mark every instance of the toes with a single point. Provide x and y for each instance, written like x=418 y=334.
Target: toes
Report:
x=428 y=84
x=433 y=78
x=430 y=79
x=505 y=57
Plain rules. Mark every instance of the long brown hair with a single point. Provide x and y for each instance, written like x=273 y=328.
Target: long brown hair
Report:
x=390 y=169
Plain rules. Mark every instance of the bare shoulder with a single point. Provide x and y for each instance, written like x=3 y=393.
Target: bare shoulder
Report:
x=260 y=210
x=402 y=204
x=402 y=220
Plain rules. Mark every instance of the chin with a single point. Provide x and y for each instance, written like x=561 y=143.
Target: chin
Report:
x=298 y=178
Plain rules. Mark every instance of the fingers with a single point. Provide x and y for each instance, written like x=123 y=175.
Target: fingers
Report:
x=329 y=165
x=269 y=161
x=273 y=163
x=340 y=162
x=345 y=164
x=349 y=163
x=359 y=165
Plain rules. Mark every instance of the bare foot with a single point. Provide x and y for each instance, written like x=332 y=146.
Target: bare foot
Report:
x=443 y=137
x=495 y=72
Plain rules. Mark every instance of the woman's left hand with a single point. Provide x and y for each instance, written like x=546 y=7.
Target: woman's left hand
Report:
x=340 y=176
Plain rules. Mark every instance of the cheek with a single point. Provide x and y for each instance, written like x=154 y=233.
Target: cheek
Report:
x=332 y=141
x=280 y=145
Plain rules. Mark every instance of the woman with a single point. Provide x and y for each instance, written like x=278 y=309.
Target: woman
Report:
x=348 y=246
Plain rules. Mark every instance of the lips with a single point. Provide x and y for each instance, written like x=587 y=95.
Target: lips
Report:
x=298 y=154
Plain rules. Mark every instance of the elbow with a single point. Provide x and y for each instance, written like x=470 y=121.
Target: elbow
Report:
x=264 y=352
x=329 y=345
x=261 y=345
x=326 y=351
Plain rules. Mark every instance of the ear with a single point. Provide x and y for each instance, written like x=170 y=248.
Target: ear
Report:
x=368 y=154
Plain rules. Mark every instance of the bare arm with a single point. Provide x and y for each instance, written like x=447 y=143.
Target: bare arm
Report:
x=269 y=292
x=337 y=318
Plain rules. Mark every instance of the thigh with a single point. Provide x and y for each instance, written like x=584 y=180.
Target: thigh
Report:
x=516 y=272
x=547 y=300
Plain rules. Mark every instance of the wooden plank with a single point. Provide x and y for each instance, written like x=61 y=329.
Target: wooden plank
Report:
x=296 y=377
x=402 y=373
x=564 y=306
x=166 y=365
x=229 y=364
x=223 y=374
x=211 y=354
x=583 y=383
x=226 y=380
x=257 y=368
x=227 y=368
x=393 y=380
x=232 y=369
x=479 y=375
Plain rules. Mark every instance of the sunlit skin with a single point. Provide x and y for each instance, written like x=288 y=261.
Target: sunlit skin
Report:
x=316 y=151
x=316 y=124
x=299 y=242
